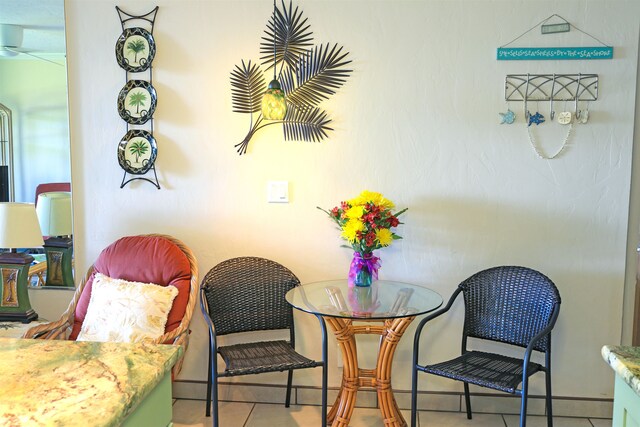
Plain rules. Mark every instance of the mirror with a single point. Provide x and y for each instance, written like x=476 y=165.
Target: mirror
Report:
x=34 y=88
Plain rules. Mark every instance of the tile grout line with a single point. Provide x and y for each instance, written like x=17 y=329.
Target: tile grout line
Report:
x=246 y=421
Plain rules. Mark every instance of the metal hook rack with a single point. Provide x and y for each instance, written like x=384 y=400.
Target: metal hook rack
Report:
x=551 y=87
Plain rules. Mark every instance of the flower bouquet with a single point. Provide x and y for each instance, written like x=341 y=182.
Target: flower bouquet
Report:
x=366 y=223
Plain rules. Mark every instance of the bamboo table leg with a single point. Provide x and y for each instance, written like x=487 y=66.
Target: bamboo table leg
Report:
x=353 y=377
x=341 y=411
x=393 y=332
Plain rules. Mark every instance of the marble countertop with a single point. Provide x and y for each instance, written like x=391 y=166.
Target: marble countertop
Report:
x=68 y=383
x=625 y=360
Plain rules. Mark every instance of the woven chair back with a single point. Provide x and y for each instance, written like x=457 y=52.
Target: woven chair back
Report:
x=247 y=294
x=509 y=304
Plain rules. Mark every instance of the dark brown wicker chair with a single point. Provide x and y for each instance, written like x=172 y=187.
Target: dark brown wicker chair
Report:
x=512 y=305
x=248 y=294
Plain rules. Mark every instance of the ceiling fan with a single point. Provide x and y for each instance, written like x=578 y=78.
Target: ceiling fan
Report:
x=10 y=39
x=11 y=42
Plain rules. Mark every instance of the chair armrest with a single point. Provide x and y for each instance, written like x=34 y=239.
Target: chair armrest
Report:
x=38 y=271
x=48 y=331
x=437 y=313
x=204 y=307
x=180 y=335
x=416 y=338
x=538 y=337
x=175 y=337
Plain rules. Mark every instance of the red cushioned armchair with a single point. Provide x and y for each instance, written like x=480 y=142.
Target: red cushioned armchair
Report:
x=152 y=258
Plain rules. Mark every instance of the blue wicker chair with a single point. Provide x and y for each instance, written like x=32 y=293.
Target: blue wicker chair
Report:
x=512 y=305
x=248 y=294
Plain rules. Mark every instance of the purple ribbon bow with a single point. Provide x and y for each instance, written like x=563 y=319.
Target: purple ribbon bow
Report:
x=367 y=262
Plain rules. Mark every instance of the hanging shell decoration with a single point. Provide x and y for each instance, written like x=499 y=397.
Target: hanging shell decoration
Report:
x=308 y=75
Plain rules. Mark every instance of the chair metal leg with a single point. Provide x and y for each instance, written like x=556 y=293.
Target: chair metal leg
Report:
x=414 y=394
x=213 y=374
x=548 y=402
x=323 y=328
x=208 y=404
x=214 y=393
x=287 y=400
x=523 y=406
x=323 y=414
x=467 y=400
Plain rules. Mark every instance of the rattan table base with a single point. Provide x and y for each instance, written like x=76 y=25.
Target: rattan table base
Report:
x=353 y=377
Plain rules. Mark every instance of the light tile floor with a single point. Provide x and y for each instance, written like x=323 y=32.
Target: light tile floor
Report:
x=190 y=413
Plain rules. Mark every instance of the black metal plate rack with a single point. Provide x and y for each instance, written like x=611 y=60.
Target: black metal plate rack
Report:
x=133 y=26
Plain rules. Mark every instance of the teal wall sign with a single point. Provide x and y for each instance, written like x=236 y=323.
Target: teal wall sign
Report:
x=541 y=53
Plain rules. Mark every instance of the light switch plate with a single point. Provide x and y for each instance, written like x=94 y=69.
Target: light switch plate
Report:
x=278 y=192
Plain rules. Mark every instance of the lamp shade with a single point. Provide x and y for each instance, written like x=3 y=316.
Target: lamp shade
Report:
x=54 y=213
x=19 y=226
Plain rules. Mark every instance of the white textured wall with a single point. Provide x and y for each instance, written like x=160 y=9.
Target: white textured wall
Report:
x=417 y=121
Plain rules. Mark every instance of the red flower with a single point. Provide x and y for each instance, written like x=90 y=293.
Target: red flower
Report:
x=373 y=208
x=370 y=238
x=393 y=221
x=335 y=212
x=370 y=218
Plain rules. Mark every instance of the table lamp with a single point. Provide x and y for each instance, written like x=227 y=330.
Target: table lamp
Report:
x=19 y=228
x=54 y=214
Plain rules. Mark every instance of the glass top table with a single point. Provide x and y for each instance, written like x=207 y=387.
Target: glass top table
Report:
x=350 y=311
x=384 y=299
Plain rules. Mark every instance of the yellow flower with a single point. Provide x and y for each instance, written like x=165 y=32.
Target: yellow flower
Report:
x=385 y=203
x=372 y=197
x=357 y=201
x=355 y=212
x=351 y=228
x=384 y=236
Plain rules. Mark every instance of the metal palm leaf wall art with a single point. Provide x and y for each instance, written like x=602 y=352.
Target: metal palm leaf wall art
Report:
x=308 y=75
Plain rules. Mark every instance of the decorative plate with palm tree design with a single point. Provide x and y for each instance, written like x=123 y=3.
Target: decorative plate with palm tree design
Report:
x=137 y=151
x=135 y=49
x=137 y=102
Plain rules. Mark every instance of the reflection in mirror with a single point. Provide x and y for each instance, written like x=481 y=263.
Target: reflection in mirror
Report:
x=34 y=140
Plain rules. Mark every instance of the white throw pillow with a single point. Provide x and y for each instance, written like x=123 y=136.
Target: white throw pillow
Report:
x=121 y=311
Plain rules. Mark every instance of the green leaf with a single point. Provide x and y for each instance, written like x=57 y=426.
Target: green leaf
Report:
x=324 y=210
x=400 y=212
x=136 y=46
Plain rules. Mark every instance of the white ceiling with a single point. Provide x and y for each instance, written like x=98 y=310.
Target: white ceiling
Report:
x=42 y=20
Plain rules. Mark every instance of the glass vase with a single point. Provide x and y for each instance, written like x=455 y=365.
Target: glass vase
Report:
x=363 y=300
x=364 y=269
